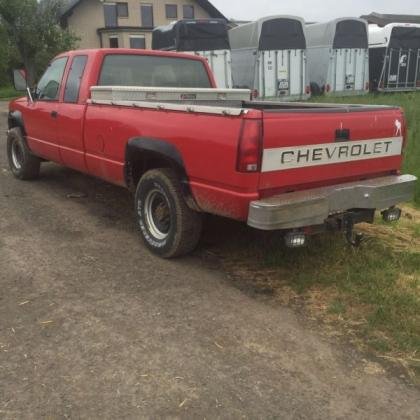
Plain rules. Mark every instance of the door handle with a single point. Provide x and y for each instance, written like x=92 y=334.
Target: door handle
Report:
x=54 y=114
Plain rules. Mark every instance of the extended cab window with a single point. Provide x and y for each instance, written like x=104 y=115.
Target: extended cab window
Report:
x=74 y=79
x=153 y=71
x=48 y=88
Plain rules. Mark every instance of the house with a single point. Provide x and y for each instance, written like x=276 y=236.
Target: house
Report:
x=129 y=23
x=384 y=19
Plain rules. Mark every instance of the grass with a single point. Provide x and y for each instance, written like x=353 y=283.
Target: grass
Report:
x=9 y=92
x=410 y=102
x=371 y=294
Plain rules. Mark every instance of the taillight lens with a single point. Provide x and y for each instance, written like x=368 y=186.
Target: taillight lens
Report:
x=250 y=146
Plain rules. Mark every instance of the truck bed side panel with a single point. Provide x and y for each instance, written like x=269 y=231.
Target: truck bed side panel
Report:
x=207 y=143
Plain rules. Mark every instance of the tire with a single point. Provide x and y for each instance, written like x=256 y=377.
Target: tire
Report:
x=168 y=226
x=315 y=89
x=23 y=164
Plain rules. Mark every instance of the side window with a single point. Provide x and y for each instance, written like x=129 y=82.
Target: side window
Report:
x=49 y=86
x=74 y=79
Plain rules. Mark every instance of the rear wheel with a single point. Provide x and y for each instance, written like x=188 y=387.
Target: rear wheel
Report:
x=168 y=226
x=23 y=164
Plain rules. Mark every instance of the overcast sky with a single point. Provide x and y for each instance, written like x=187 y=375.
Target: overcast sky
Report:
x=312 y=10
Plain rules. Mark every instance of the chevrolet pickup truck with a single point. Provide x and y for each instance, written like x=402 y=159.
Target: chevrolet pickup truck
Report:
x=155 y=123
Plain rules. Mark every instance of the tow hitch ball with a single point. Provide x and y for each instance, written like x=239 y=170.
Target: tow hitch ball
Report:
x=353 y=238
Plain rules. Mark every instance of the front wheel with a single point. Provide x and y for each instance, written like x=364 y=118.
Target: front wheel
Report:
x=23 y=164
x=168 y=226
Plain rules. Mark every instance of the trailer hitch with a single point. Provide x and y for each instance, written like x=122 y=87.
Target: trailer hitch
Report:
x=353 y=238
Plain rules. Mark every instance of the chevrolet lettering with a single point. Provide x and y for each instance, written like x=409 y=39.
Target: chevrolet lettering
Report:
x=284 y=158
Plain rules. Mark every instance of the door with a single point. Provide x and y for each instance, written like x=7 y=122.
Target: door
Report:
x=282 y=73
x=41 y=120
x=349 y=69
x=71 y=117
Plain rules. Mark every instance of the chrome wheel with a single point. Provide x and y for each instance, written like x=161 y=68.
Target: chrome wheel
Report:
x=17 y=155
x=157 y=214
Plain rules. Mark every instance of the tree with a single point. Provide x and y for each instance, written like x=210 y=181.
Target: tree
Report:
x=33 y=29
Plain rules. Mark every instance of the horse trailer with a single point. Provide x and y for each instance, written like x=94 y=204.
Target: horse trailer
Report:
x=394 y=55
x=338 y=57
x=269 y=57
x=207 y=38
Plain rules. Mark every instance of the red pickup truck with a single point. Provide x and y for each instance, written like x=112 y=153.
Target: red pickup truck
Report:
x=155 y=122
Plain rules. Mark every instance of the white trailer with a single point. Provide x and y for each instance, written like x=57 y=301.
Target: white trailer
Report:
x=269 y=57
x=207 y=38
x=338 y=57
x=394 y=54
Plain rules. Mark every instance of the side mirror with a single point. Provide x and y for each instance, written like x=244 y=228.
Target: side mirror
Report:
x=19 y=80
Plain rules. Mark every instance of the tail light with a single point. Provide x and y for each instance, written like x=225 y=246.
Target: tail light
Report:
x=308 y=90
x=250 y=147
x=328 y=88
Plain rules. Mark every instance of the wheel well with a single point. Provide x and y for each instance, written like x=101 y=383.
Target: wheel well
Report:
x=14 y=119
x=142 y=161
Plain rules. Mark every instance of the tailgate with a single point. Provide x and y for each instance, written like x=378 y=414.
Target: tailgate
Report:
x=310 y=148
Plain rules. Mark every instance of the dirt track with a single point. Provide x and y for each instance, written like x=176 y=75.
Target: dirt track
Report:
x=93 y=326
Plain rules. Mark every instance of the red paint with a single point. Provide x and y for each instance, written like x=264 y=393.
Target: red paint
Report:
x=215 y=149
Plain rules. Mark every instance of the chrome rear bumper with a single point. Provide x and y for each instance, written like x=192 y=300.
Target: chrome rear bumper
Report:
x=312 y=207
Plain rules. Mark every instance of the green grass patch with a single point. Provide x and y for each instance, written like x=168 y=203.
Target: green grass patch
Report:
x=9 y=92
x=410 y=102
x=370 y=293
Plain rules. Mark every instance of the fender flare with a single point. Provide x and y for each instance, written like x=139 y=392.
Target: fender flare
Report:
x=15 y=119
x=162 y=149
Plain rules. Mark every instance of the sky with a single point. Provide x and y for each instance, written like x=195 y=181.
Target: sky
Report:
x=313 y=10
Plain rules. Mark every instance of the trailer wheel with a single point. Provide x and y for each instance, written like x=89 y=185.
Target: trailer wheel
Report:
x=23 y=164
x=316 y=89
x=168 y=226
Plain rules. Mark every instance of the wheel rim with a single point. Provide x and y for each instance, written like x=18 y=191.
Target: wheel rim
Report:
x=17 y=156
x=157 y=214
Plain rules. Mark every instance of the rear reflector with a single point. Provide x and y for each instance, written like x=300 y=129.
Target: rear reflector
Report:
x=250 y=147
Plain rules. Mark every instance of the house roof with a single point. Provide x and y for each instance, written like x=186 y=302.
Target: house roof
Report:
x=384 y=19
x=69 y=5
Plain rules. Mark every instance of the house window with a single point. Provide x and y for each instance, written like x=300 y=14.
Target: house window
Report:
x=138 y=42
x=113 y=42
x=188 y=11
x=110 y=12
x=122 y=10
x=146 y=11
x=171 y=11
